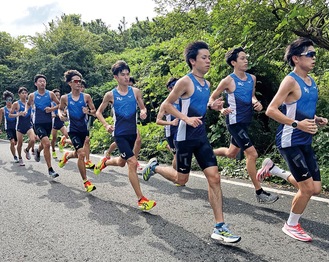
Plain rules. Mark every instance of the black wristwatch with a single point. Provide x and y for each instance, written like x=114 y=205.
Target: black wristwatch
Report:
x=294 y=124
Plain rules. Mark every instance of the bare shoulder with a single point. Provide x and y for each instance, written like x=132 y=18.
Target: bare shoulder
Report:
x=288 y=83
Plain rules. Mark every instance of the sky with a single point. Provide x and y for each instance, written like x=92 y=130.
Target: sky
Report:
x=27 y=17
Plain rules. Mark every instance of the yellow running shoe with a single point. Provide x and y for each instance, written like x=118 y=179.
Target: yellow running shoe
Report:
x=100 y=166
x=61 y=144
x=63 y=160
x=145 y=204
x=89 y=164
x=89 y=186
x=54 y=155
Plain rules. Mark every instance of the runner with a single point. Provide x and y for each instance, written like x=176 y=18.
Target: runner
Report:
x=57 y=125
x=124 y=99
x=9 y=122
x=239 y=88
x=42 y=99
x=171 y=122
x=191 y=137
x=23 y=125
x=138 y=142
x=78 y=106
x=298 y=96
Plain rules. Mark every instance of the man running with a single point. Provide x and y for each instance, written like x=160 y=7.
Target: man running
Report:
x=9 y=122
x=298 y=96
x=239 y=88
x=124 y=99
x=191 y=137
x=78 y=106
x=23 y=125
x=41 y=99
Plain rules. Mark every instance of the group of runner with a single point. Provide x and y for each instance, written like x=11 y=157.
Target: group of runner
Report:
x=183 y=115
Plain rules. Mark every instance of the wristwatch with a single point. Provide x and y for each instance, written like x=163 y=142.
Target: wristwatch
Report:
x=294 y=124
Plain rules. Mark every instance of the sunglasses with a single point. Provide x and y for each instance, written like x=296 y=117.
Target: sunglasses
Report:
x=76 y=81
x=9 y=100
x=309 y=54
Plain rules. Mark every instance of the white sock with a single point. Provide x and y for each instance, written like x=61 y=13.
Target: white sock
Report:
x=293 y=219
x=277 y=171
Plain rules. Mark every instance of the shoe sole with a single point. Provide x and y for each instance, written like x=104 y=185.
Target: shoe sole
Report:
x=226 y=240
x=294 y=237
x=54 y=176
x=268 y=202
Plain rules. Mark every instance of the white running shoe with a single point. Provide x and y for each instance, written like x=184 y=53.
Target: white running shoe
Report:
x=265 y=170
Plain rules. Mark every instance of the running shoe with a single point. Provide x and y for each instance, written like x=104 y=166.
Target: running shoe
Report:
x=224 y=234
x=37 y=155
x=89 y=164
x=100 y=166
x=148 y=170
x=61 y=144
x=16 y=159
x=296 y=232
x=54 y=155
x=21 y=163
x=53 y=174
x=264 y=172
x=162 y=145
x=33 y=153
x=27 y=154
x=145 y=204
x=63 y=160
x=89 y=186
x=267 y=198
x=106 y=154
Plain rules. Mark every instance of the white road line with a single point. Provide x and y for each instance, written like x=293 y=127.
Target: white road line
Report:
x=282 y=192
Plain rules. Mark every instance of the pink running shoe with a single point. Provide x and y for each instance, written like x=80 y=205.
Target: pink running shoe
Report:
x=264 y=172
x=296 y=232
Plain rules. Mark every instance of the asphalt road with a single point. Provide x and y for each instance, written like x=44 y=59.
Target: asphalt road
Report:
x=44 y=219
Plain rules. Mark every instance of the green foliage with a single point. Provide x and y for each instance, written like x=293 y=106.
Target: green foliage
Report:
x=100 y=139
x=151 y=135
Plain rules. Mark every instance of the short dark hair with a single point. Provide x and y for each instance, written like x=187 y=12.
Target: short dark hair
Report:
x=132 y=79
x=21 y=89
x=192 y=50
x=84 y=83
x=37 y=76
x=171 y=82
x=56 y=90
x=296 y=48
x=7 y=94
x=232 y=55
x=119 y=66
